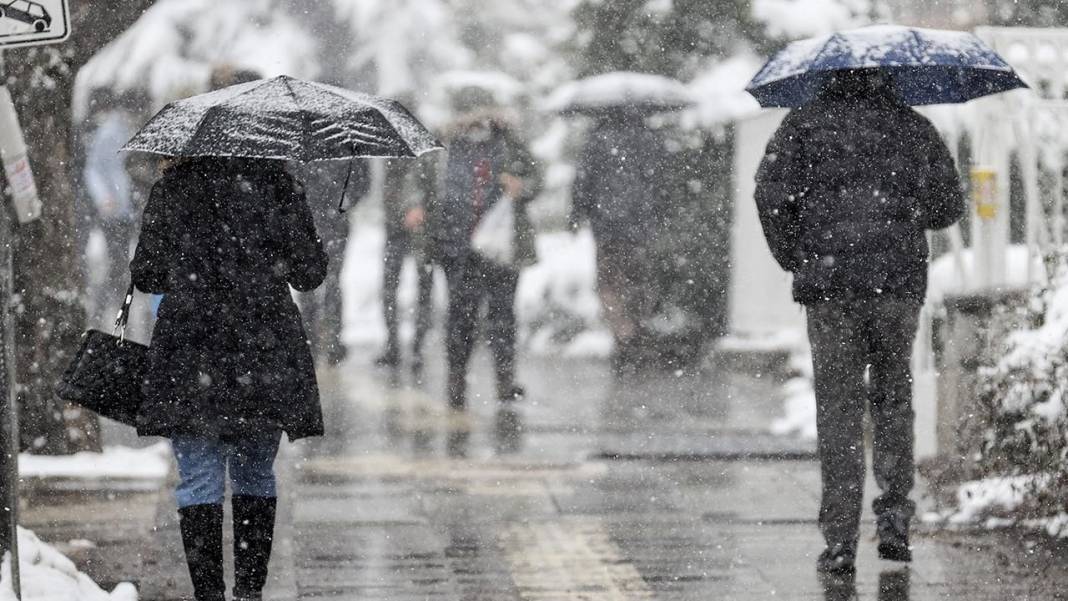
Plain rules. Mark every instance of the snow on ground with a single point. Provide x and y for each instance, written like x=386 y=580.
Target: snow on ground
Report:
x=151 y=463
x=46 y=575
x=556 y=306
x=800 y=410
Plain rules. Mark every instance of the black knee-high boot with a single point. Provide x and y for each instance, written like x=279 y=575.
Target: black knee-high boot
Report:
x=201 y=527
x=253 y=538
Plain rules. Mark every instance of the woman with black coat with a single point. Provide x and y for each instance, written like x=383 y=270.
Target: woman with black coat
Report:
x=229 y=368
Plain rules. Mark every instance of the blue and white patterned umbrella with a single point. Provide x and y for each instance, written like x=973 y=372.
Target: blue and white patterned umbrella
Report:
x=925 y=66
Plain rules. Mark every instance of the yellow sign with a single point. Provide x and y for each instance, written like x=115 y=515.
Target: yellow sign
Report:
x=985 y=192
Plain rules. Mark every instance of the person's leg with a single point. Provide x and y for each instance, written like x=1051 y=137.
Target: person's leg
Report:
x=501 y=286
x=252 y=480
x=330 y=318
x=839 y=361
x=424 y=312
x=201 y=486
x=392 y=262
x=465 y=286
x=893 y=326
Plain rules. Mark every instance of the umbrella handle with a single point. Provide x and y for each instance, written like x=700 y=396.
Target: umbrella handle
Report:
x=341 y=202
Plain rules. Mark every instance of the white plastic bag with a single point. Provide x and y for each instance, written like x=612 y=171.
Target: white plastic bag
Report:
x=494 y=236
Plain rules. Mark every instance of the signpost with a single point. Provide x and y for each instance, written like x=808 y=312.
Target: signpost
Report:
x=22 y=23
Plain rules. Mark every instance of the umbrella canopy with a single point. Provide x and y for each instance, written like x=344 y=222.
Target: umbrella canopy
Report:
x=640 y=92
x=284 y=118
x=924 y=66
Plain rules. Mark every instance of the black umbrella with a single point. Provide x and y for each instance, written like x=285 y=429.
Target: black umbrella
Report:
x=287 y=119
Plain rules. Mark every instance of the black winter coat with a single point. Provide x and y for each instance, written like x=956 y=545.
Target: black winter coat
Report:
x=472 y=186
x=619 y=183
x=845 y=192
x=223 y=240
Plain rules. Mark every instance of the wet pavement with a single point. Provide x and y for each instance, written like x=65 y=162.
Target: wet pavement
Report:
x=658 y=486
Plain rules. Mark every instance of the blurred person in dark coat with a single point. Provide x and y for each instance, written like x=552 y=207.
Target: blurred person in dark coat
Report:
x=620 y=189
x=229 y=368
x=111 y=206
x=325 y=183
x=409 y=186
x=846 y=193
x=487 y=163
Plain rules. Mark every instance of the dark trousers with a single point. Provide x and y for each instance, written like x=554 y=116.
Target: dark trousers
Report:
x=400 y=244
x=850 y=339
x=472 y=280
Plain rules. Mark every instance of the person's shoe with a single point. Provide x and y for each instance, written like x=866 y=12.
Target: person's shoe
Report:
x=893 y=532
x=336 y=354
x=201 y=527
x=839 y=559
x=417 y=367
x=512 y=393
x=253 y=539
x=389 y=358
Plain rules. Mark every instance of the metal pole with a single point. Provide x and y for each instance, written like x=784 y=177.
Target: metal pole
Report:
x=9 y=423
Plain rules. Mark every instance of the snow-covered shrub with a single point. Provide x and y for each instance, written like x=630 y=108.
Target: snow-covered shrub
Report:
x=1022 y=390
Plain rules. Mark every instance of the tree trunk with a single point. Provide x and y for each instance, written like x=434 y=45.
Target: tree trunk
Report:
x=49 y=312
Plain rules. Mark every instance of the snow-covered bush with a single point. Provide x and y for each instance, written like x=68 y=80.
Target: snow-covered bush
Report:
x=1022 y=390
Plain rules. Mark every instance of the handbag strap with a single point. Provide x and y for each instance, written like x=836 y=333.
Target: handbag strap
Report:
x=124 y=313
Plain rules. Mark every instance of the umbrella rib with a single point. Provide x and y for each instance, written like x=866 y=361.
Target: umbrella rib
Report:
x=305 y=131
x=819 y=55
x=377 y=105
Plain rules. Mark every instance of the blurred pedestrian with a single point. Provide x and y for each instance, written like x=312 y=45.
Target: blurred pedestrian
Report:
x=229 y=368
x=408 y=187
x=109 y=190
x=326 y=182
x=487 y=164
x=619 y=187
x=846 y=191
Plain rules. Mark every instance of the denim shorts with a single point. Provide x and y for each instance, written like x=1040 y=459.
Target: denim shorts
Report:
x=203 y=464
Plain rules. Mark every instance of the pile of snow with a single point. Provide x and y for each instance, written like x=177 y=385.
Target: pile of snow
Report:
x=171 y=50
x=992 y=498
x=115 y=463
x=720 y=92
x=46 y=575
x=799 y=408
x=795 y=19
x=557 y=305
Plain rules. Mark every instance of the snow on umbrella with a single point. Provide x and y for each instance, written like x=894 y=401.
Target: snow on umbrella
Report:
x=620 y=90
x=925 y=66
x=284 y=118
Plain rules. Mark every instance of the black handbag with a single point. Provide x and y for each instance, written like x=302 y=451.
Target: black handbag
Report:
x=106 y=374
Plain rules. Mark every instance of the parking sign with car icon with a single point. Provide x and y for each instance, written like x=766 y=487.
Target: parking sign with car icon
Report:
x=31 y=22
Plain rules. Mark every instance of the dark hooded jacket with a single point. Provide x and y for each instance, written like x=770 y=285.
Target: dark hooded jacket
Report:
x=480 y=151
x=619 y=182
x=223 y=241
x=846 y=190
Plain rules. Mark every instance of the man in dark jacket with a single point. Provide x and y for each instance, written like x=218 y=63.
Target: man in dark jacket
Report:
x=486 y=164
x=619 y=188
x=407 y=187
x=846 y=192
